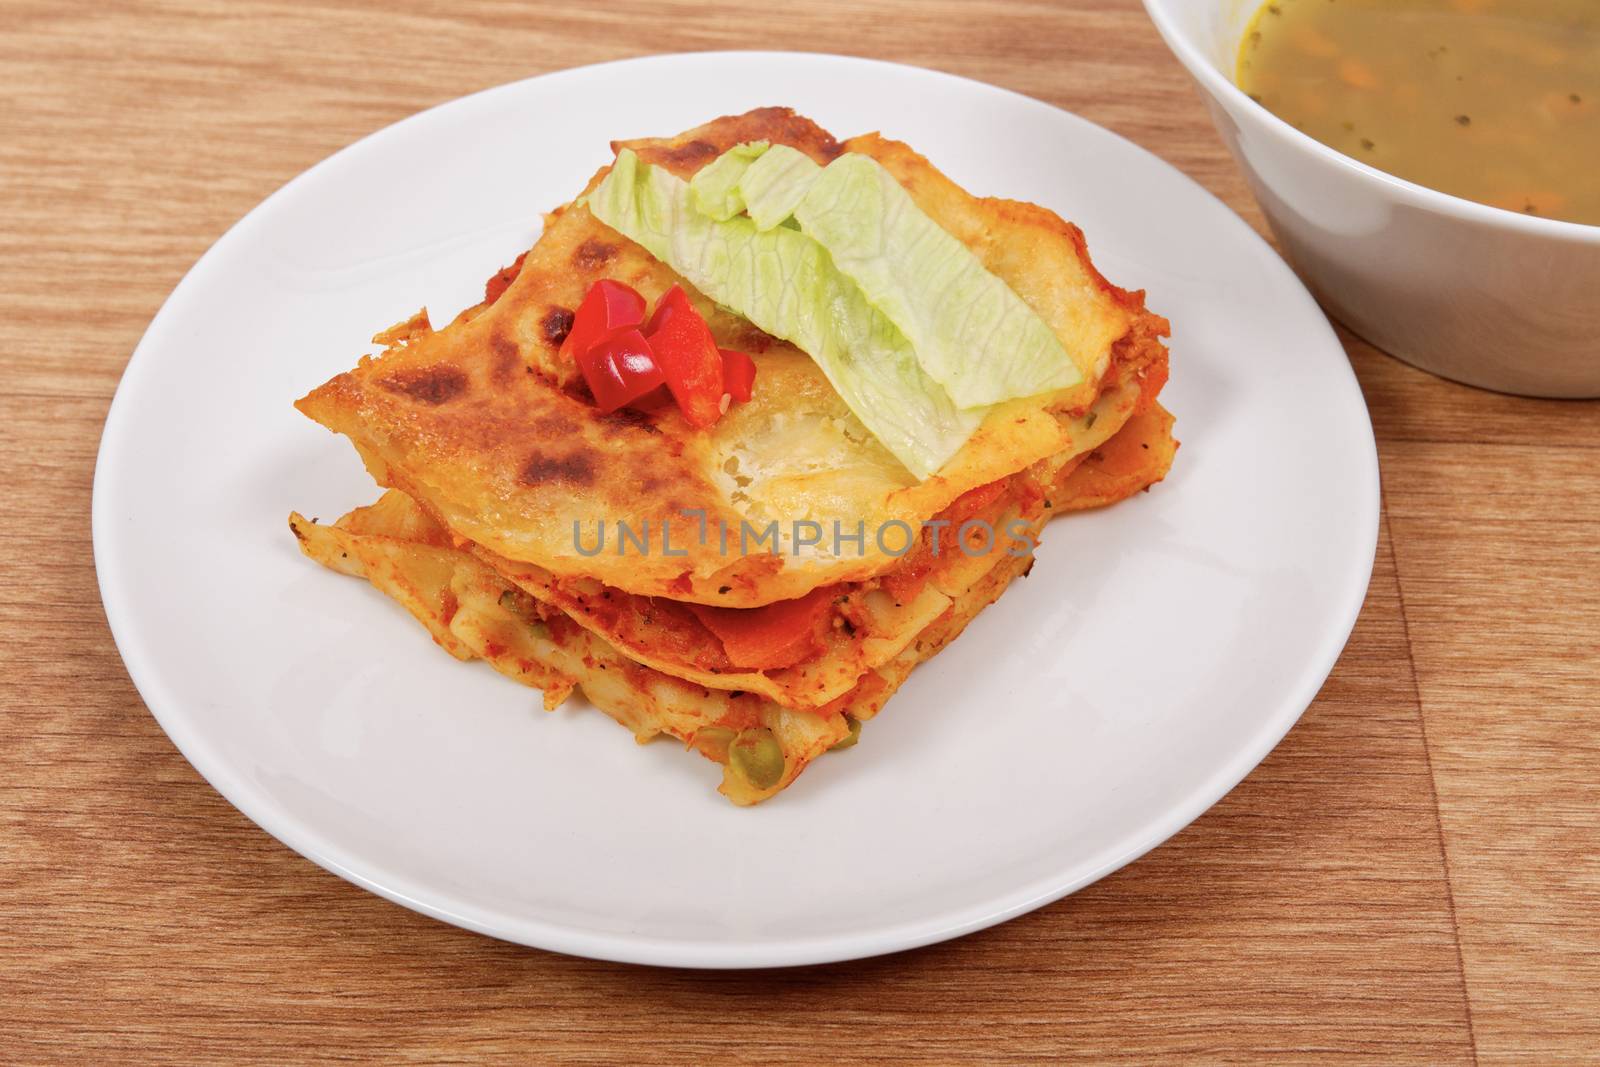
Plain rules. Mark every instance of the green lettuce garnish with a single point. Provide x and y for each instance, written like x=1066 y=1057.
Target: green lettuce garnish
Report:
x=916 y=335
x=776 y=183
x=971 y=332
x=787 y=284
x=715 y=188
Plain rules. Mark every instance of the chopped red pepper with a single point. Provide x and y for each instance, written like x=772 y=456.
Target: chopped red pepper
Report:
x=738 y=374
x=777 y=635
x=620 y=370
x=688 y=357
x=675 y=357
x=655 y=399
x=608 y=308
x=670 y=303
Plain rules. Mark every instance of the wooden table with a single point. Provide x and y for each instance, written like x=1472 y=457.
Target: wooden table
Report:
x=1411 y=877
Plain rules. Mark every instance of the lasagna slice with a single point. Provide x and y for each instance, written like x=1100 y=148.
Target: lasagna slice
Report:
x=474 y=611
x=494 y=452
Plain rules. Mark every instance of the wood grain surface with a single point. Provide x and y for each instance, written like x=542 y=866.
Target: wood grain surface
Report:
x=1412 y=877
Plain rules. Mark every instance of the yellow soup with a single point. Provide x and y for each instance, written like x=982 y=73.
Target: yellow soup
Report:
x=1493 y=100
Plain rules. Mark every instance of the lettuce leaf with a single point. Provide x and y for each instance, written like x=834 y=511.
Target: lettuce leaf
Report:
x=971 y=332
x=787 y=284
x=715 y=188
x=775 y=183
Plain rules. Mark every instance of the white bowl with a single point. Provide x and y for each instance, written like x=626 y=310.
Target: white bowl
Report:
x=1471 y=292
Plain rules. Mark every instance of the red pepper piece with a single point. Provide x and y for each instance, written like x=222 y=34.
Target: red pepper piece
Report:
x=670 y=302
x=738 y=374
x=770 y=637
x=656 y=399
x=608 y=308
x=688 y=357
x=620 y=370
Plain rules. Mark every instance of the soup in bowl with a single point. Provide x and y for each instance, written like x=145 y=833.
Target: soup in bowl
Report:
x=1491 y=278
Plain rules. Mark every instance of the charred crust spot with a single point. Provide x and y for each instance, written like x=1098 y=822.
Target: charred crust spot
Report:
x=555 y=325
x=507 y=358
x=592 y=254
x=689 y=153
x=629 y=417
x=574 y=468
x=783 y=125
x=427 y=385
x=752 y=339
x=555 y=425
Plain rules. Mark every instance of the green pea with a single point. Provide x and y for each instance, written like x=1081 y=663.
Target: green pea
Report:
x=758 y=757
x=854 y=736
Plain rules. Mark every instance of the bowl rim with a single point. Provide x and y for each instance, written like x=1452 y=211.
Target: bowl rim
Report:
x=1225 y=91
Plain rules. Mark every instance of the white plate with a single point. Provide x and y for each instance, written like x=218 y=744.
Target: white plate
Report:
x=1158 y=652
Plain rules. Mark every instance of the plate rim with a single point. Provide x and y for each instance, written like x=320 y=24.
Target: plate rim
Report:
x=302 y=837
